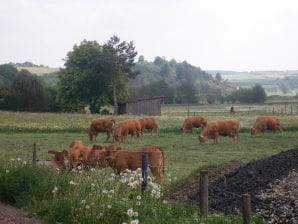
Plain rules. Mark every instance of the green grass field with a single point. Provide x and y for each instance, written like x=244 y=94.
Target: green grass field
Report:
x=184 y=155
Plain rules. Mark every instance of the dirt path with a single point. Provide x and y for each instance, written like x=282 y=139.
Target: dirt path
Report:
x=12 y=215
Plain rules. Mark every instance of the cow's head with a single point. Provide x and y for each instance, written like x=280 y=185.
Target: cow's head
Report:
x=253 y=132
x=182 y=130
x=202 y=139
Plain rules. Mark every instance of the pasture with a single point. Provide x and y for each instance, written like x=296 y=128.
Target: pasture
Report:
x=184 y=155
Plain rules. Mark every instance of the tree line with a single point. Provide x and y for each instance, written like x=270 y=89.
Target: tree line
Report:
x=98 y=75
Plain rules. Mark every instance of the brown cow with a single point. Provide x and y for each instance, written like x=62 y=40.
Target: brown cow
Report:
x=193 y=122
x=218 y=128
x=264 y=123
x=101 y=125
x=76 y=152
x=125 y=127
x=132 y=159
x=99 y=155
x=149 y=123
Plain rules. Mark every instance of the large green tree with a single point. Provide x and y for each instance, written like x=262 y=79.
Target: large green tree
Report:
x=96 y=75
x=82 y=82
x=118 y=65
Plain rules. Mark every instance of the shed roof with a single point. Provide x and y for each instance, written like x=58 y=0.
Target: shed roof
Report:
x=142 y=99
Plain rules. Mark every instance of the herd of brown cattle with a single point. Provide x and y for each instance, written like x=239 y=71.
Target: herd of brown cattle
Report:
x=121 y=159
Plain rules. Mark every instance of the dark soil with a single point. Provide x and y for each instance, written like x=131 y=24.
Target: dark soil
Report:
x=260 y=179
x=12 y=215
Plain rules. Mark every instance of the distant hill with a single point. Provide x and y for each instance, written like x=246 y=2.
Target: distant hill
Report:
x=274 y=82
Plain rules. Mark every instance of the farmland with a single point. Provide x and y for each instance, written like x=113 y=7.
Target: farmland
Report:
x=184 y=155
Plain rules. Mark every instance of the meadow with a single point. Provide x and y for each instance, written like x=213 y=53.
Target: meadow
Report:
x=184 y=158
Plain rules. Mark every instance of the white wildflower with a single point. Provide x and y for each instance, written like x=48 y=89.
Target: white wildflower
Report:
x=135 y=221
x=130 y=212
x=139 y=197
x=83 y=201
x=87 y=207
x=138 y=203
x=6 y=171
x=165 y=201
x=109 y=206
x=19 y=159
x=55 y=189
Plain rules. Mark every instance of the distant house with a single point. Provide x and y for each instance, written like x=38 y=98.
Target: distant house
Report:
x=141 y=106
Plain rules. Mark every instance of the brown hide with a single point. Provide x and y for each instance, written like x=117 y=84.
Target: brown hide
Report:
x=125 y=127
x=101 y=125
x=149 y=123
x=99 y=155
x=193 y=122
x=76 y=152
x=218 y=128
x=264 y=123
x=132 y=159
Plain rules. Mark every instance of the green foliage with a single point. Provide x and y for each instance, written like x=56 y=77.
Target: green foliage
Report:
x=96 y=75
x=255 y=94
x=82 y=81
x=118 y=63
x=188 y=83
x=26 y=93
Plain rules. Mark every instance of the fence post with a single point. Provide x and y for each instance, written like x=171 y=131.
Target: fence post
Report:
x=34 y=153
x=204 y=192
x=291 y=108
x=246 y=205
x=144 y=171
x=273 y=110
x=285 y=108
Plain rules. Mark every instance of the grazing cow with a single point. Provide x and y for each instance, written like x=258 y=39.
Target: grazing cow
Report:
x=125 y=127
x=101 y=125
x=264 y=123
x=218 y=128
x=193 y=122
x=132 y=159
x=149 y=123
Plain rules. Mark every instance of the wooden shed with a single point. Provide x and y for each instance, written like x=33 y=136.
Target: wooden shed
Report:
x=141 y=106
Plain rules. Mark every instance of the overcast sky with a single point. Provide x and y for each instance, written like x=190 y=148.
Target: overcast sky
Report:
x=212 y=34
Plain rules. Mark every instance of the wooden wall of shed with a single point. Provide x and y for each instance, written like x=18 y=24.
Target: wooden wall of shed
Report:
x=143 y=107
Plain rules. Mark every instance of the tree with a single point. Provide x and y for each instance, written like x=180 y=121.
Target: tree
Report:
x=118 y=63
x=258 y=94
x=82 y=82
x=141 y=58
x=218 y=77
x=27 y=93
x=186 y=93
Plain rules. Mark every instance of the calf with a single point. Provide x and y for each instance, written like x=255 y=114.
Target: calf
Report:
x=218 y=128
x=264 y=123
x=193 y=122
